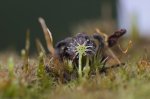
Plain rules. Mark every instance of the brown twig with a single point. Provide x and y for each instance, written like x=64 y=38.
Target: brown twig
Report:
x=128 y=47
x=25 y=52
x=27 y=44
x=106 y=45
x=48 y=36
x=40 y=47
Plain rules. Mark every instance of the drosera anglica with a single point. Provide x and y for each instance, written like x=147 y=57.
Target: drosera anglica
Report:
x=80 y=50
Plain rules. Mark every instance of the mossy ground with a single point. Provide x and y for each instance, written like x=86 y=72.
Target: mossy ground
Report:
x=130 y=81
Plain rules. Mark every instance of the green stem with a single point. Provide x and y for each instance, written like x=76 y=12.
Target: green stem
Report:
x=80 y=67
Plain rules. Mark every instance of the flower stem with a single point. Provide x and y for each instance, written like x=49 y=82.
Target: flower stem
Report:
x=80 y=67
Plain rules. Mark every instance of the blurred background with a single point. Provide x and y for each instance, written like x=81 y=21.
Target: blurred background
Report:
x=67 y=17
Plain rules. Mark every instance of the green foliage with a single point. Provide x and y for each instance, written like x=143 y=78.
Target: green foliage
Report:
x=69 y=65
x=44 y=80
x=11 y=66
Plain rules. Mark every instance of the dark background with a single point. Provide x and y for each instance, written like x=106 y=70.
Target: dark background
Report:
x=16 y=16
